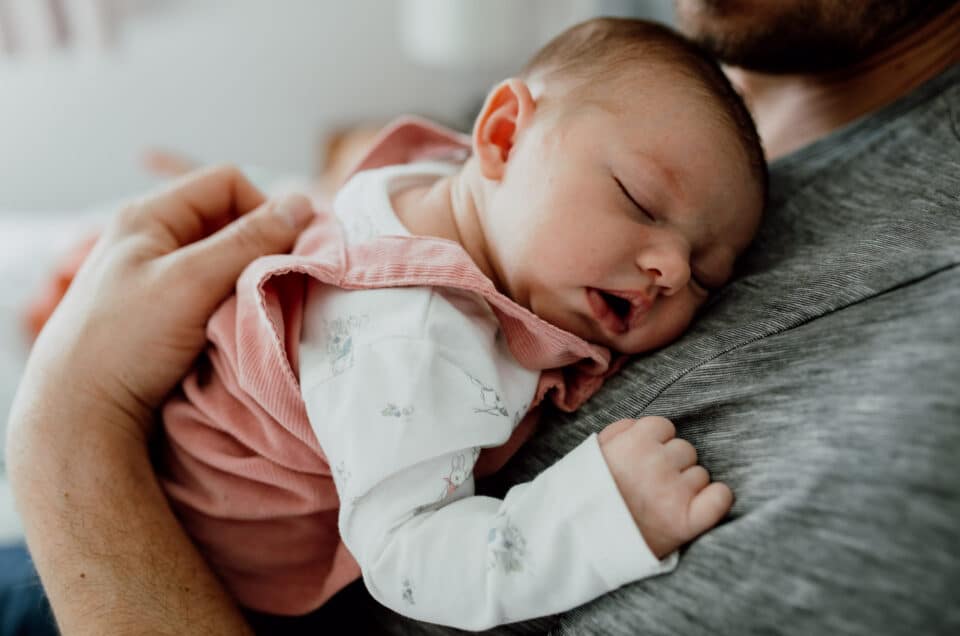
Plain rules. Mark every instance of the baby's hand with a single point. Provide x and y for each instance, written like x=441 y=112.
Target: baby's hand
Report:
x=669 y=495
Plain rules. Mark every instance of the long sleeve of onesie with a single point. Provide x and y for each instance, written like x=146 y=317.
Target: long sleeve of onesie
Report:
x=403 y=388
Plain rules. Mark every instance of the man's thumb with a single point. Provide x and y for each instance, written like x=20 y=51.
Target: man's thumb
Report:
x=272 y=228
x=295 y=210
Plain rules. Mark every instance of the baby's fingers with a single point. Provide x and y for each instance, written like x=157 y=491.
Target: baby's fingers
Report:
x=696 y=478
x=612 y=430
x=709 y=506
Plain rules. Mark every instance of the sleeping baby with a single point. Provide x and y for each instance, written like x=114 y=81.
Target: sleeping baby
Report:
x=353 y=390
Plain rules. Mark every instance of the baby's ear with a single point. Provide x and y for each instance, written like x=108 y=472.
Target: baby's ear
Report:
x=507 y=110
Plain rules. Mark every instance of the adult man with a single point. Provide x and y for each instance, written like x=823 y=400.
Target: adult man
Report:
x=821 y=384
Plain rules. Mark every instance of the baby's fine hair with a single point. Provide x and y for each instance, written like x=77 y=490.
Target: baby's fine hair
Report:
x=602 y=50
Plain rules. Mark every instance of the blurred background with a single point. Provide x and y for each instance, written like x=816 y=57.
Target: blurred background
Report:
x=103 y=99
x=86 y=86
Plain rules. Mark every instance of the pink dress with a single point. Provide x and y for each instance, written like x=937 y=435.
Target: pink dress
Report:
x=240 y=462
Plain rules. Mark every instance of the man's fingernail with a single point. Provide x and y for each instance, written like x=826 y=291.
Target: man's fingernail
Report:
x=296 y=211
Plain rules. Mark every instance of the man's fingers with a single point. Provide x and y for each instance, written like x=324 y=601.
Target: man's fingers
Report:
x=197 y=204
x=219 y=259
x=709 y=506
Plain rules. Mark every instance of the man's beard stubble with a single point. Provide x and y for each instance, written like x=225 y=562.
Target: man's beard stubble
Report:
x=800 y=36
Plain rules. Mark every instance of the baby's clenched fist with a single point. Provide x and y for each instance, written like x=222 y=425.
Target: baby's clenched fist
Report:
x=669 y=495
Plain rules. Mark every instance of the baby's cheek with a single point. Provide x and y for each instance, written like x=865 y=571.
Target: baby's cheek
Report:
x=677 y=314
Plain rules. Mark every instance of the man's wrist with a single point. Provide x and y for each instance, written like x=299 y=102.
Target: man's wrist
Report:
x=97 y=522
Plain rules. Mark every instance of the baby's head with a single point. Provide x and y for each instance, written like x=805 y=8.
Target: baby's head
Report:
x=621 y=177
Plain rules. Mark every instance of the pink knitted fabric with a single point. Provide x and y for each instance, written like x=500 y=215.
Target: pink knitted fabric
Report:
x=241 y=465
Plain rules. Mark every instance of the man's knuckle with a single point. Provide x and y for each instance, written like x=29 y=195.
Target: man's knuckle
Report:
x=248 y=234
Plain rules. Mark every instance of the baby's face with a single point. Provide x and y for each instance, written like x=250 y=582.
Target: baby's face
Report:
x=616 y=222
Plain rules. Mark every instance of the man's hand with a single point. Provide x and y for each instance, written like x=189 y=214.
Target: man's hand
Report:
x=669 y=495
x=134 y=318
x=112 y=557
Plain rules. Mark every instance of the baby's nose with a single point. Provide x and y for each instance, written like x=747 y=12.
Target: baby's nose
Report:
x=674 y=276
x=668 y=268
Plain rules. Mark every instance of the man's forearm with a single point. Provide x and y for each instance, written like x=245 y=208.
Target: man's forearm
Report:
x=99 y=527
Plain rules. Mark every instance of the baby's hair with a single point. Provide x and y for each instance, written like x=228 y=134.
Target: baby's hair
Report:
x=601 y=50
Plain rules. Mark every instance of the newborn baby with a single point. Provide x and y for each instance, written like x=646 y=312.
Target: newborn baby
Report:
x=353 y=389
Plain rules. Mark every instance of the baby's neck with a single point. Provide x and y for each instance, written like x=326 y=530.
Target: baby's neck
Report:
x=449 y=208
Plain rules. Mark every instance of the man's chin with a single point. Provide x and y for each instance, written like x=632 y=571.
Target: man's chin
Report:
x=767 y=46
x=798 y=36
x=769 y=54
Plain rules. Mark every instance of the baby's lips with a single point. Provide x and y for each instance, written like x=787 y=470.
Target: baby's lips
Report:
x=640 y=304
x=604 y=313
x=635 y=298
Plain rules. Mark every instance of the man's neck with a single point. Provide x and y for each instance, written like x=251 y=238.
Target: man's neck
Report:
x=794 y=110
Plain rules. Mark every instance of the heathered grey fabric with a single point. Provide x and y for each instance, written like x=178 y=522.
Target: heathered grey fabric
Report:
x=824 y=387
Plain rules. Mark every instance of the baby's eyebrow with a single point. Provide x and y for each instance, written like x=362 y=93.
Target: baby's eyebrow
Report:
x=670 y=177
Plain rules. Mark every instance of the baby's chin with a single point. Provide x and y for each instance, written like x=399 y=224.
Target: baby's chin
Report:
x=638 y=343
x=628 y=351
x=597 y=337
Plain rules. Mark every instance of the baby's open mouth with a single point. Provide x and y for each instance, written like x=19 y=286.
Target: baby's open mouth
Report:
x=620 y=306
x=617 y=310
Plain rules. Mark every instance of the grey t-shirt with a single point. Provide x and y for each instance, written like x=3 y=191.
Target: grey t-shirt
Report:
x=823 y=386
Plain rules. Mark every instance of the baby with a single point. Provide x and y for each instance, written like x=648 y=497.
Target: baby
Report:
x=609 y=189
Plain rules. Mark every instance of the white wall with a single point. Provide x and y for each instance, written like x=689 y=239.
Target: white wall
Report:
x=248 y=81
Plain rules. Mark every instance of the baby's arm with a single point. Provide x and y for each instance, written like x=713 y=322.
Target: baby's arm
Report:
x=476 y=562
x=401 y=429
x=401 y=420
x=401 y=416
